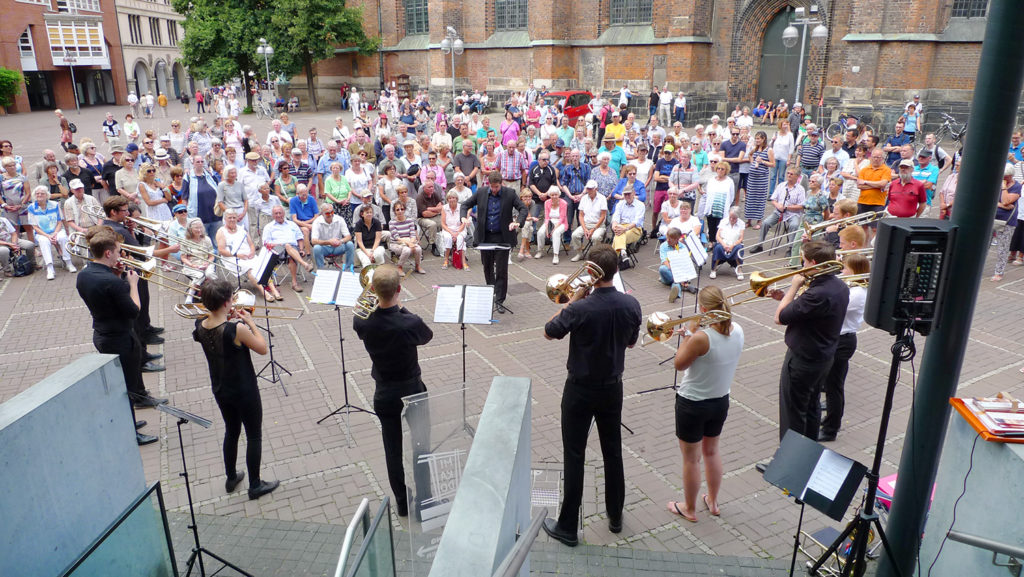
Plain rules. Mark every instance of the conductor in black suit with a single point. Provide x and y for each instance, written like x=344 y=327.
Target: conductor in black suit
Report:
x=494 y=225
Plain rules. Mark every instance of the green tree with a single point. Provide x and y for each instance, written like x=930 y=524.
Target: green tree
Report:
x=10 y=86
x=221 y=37
x=304 y=32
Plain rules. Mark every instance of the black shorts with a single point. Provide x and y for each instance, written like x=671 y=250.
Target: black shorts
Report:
x=862 y=208
x=698 y=419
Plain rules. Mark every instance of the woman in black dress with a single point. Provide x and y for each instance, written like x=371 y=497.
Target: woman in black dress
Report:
x=227 y=345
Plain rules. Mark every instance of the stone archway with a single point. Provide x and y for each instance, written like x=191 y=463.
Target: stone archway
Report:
x=179 y=80
x=160 y=76
x=748 y=40
x=141 y=77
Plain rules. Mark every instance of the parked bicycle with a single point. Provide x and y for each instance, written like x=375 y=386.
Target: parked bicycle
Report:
x=845 y=122
x=263 y=109
x=950 y=128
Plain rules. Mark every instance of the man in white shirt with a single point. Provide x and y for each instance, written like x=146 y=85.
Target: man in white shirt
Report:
x=278 y=132
x=654 y=129
x=836 y=151
x=593 y=215
x=788 y=200
x=252 y=175
x=284 y=237
x=729 y=244
x=75 y=218
x=331 y=238
x=665 y=105
x=627 y=222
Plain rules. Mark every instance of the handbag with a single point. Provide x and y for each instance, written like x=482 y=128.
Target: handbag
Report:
x=457 y=259
x=72 y=127
x=22 y=265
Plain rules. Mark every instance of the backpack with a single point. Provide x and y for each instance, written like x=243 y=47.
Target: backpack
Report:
x=72 y=127
x=22 y=265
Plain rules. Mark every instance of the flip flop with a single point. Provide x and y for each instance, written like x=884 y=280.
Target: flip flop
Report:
x=674 y=508
x=297 y=288
x=713 y=514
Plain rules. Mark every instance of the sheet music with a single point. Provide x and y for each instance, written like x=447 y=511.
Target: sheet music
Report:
x=348 y=290
x=682 y=266
x=829 y=474
x=262 y=261
x=617 y=283
x=696 y=248
x=448 y=307
x=324 y=286
x=478 y=305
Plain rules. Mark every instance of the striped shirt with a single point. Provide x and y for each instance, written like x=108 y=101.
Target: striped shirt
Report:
x=403 y=228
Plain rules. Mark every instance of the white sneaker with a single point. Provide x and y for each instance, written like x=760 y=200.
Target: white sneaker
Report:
x=538 y=255
x=713 y=274
x=554 y=260
x=71 y=266
x=49 y=272
x=739 y=273
x=576 y=258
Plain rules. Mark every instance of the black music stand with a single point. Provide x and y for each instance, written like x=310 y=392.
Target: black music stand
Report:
x=197 y=549
x=266 y=270
x=338 y=301
x=502 y=248
x=815 y=476
x=464 y=304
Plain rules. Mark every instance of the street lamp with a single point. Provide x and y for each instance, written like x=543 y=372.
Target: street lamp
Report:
x=265 y=50
x=452 y=44
x=819 y=34
x=70 y=60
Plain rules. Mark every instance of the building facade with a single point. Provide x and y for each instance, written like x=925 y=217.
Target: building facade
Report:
x=876 y=55
x=150 y=33
x=62 y=48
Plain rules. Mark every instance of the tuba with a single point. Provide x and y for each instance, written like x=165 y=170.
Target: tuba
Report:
x=562 y=288
x=367 y=301
x=660 y=326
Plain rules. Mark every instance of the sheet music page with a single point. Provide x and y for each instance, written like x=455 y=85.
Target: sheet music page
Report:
x=617 y=283
x=479 y=304
x=682 y=266
x=263 y=260
x=348 y=290
x=829 y=475
x=448 y=305
x=324 y=286
x=697 y=251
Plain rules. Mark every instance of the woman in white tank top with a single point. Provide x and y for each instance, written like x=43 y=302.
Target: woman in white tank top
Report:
x=708 y=357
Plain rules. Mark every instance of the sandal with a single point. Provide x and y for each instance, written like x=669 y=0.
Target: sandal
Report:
x=673 y=507
x=714 y=512
x=996 y=278
x=444 y=265
x=297 y=288
x=465 y=267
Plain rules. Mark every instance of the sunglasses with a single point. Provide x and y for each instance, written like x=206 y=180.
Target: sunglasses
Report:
x=735 y=133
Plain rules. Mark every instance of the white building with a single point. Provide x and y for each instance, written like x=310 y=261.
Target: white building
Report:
x=150 y=32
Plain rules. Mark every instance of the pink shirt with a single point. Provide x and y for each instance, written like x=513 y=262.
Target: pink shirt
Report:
x=562 y=210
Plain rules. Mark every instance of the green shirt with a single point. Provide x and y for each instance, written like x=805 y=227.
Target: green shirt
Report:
x=336 y=190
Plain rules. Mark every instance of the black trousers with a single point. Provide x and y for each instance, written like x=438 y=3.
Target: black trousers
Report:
x=495 y=263
x=581 y=404
x=244 y=409
x=129 y=352
x=142 y=322
x=835 y=381
x=800 y=394
x=387 y=403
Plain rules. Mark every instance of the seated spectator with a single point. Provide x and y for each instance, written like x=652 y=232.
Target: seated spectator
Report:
x=627 y=222
x=197 y=256
x=555 y=222
x=45 y=217
x=330 y=237
x=686 y=222
x=453 y=232
x=526 y=232
x=429 y=204
x=593 y=218
x=238 y=254
x=404 y=242
x=670 y=210
x=302 y=209
x=728 y=244
x=11 y=245
x=671 y=245
x=369 y=235
x=75 y=218
x=285 y=237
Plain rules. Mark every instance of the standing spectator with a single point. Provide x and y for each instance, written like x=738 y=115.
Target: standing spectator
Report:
x=1006 y=221
x=926 y=173
x=652 y=104
x=200 y=102
x=665 y=102
x=679 y=108
x=873 y=181
x=911 y=120
x=133 y=103
x=895 y=143
x=111 y=129
x=66 y=135
x=161 y=100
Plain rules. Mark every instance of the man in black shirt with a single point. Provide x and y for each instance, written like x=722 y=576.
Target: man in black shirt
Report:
x=813 y=322
x=391 y=335
x=109 y=170
x=542 y=177
x=494 y=226
x=113 y=303
x=602 y=326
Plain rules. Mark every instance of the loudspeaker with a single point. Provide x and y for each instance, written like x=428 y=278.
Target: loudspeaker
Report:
x=909 y=274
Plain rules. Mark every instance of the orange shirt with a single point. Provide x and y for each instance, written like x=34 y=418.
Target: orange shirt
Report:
x=874 y=196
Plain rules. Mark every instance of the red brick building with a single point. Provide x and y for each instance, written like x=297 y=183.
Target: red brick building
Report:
x=720 y=52
x=45 y=39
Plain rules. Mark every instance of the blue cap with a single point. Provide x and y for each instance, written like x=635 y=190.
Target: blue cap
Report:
x=560 y=143
x=132 y=147
x=180 y=208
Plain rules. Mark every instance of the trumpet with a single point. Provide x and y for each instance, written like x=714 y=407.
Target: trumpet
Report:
x=367 y=302
x=562 y=288
x=760 y=285
x=241 y=300
x=660 y=326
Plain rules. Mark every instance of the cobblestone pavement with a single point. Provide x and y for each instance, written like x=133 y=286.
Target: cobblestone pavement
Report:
x=325 y=471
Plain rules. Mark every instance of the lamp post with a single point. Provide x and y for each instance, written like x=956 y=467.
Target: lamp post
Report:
x=70 y=60
x=819 y=34
x=265 y=50
x=452 y=44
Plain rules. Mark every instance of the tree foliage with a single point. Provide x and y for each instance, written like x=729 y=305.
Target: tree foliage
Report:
x=221 y=36
x=10 y=85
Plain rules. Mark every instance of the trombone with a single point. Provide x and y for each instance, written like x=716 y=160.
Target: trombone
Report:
x=147 y=268
x=813 y=229
x=157 y=231
x=562 y=288
x=760 y=285
x=241 y=300
x=660 y=326
x=367 y=302
x=868 y=252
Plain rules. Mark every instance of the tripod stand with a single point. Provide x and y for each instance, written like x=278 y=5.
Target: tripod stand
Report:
x=347 y=408
x=272 y=364
x=197 y=549
x=857 y=530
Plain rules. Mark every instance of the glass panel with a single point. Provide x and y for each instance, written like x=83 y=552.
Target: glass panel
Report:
x=631 y=11
x=969 y=8
x=376 y=557
x=510 y=14
x=416 y=17
x=138 y=543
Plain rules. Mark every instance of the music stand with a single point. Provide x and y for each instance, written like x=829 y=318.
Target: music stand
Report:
x=338 y=288
x=498 y=248
x=197 y=549
x=464 y=304
x=815 y=476
x=268 y=260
